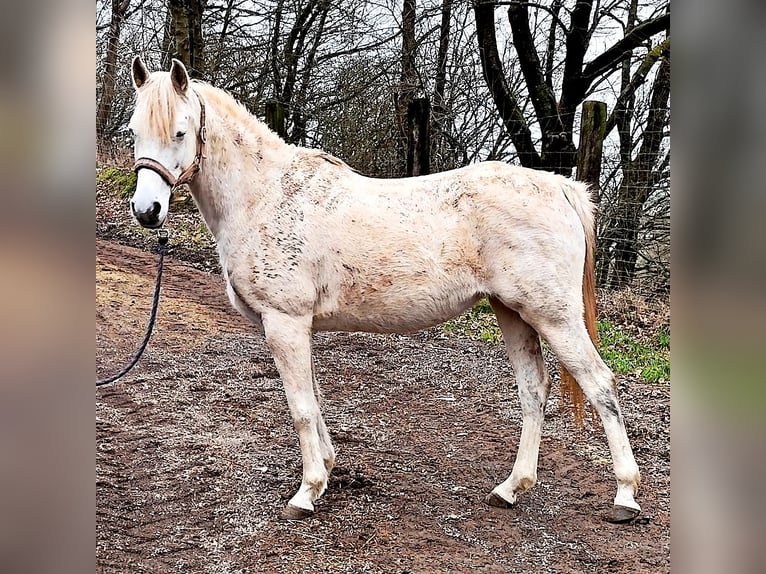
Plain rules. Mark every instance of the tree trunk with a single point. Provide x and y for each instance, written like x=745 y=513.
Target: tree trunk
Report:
x=419 y=137
x=186 y=30
x=297 y=55
x=275 y=117
x=109 y=78
x=623 y=230
x=441 y=60
x=557 y=148
x=622 y=117
x=168 y=41
x=291 y=66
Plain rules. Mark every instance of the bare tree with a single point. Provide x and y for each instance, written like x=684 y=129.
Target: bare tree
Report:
x=109 y=74
x=441 y=62
x=554 y=117
x=292 y=60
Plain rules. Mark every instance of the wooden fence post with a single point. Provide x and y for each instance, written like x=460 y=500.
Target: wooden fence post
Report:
x=275 y=117
x=592 y=132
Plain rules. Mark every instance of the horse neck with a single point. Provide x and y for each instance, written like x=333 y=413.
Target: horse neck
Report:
x=232 y=180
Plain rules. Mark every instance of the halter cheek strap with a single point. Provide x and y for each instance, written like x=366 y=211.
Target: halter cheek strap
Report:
x=188 y=174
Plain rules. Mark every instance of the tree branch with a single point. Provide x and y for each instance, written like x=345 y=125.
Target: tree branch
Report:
x=573 y=86
x=552 y=10
x=357 y=49
x=638 y=78
x=540 y=93
x=658 y=112
x=549 y=54
x=276 y=75
x=506 y=104
x=611 y=58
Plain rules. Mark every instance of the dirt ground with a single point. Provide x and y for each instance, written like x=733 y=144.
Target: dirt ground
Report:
x=196 y=454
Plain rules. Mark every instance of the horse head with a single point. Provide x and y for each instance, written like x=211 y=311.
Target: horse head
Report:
x=168 y=127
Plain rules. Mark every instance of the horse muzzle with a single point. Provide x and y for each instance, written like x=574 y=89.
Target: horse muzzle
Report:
x=149 y=218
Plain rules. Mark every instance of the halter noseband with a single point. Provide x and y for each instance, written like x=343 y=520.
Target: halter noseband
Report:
x=188 y=174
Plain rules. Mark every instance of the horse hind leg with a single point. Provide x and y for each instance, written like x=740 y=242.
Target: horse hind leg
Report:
x=570 y=341
x=522 y=344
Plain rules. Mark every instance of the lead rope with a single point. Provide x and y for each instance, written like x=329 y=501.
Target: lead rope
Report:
x=162 y=241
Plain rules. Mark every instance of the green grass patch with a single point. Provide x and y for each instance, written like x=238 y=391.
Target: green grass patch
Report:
x=650 y=358
x=117 y=180
x=626 y=355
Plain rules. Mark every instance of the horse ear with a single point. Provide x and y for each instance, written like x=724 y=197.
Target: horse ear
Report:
x=139 y=72
x=180 y=76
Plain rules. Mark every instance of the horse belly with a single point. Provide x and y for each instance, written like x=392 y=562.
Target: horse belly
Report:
x=396 y=306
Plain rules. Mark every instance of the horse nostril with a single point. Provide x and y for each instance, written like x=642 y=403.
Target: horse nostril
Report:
x=156 y=208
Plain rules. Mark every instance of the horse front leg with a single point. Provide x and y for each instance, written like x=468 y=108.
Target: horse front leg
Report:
x=522 y=344
x=289 y=339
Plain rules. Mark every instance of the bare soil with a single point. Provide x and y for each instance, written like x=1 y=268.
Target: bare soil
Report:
x=196 y=454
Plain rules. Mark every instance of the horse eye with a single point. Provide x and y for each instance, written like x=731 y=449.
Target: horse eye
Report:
x=179 y=135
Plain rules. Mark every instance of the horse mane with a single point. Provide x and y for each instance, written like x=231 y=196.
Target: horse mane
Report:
x=248 y=129
x=158 y=100
x=233 y=114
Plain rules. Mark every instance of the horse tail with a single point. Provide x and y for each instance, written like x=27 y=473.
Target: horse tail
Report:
x=578 y=196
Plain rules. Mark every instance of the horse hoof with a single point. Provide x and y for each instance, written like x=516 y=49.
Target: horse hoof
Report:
x=622 y=514
x=291 y=512
x=497 y=501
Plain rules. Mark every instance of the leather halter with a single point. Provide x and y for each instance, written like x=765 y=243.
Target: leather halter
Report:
x=188 y=174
